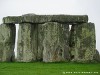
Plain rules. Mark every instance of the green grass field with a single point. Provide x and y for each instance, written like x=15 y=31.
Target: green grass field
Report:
x=39 y=68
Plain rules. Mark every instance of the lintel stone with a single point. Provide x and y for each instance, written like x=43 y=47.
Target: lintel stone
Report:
x=46 y=18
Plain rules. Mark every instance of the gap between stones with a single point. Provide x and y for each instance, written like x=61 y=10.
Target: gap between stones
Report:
x=16 y=39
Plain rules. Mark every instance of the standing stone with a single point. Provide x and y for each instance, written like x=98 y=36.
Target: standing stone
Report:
x=83 y=42
x=40 y=42
x=27 y=42
x=7 y=42
x=55 y=42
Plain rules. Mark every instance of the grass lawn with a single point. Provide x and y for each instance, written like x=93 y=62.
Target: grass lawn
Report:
x=40 y=68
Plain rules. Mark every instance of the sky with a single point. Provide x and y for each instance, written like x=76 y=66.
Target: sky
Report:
x=70 y=7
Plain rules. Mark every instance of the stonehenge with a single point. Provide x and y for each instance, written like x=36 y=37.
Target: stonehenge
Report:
x=48 y=38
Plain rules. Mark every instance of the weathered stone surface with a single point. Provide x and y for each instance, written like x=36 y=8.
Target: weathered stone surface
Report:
x=96 y=56
x=55 y=42
x=83 y=42
x=46 y=38
x=7 y=42
x=12 y=19
x=27 y=42
x=40 y=42
x=46 y=18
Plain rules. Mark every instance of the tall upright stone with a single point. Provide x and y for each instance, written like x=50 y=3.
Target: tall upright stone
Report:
x=7 y=42
x=27 y=42
x=83 y=42
x=40 y=42
x=55 y=42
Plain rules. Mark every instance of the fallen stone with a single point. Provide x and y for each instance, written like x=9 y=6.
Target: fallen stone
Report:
x=7 y=42
x=55 y=42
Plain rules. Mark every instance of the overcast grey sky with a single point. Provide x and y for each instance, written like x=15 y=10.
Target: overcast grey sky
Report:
x=72 y=7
